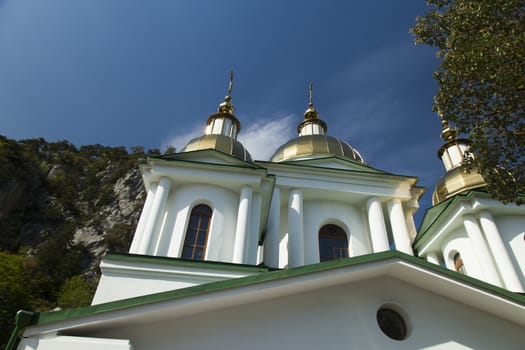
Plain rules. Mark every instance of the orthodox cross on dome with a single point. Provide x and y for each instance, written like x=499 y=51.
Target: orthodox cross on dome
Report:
x=448 y=133
x=311 y=112
x=227 y=106
x=230 y=86
x=311 y=125
x=310 y=100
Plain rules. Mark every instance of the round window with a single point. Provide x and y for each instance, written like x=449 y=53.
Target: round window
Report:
x=392 y=324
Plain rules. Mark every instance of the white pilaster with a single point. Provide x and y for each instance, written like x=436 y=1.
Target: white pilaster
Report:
x=399 y=226
x=253 y=233
x=295 y=229
x=377 y=225
x=139 y=232
x=271 y=241
x=157 y=207
x=481 y=250
x=243 y=224
x=432 y=258
x=500 y=254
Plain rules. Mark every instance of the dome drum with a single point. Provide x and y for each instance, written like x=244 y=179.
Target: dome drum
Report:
x=223 y=116
x=312 y=127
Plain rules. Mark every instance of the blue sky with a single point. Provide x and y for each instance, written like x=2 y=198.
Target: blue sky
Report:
x=150 y=73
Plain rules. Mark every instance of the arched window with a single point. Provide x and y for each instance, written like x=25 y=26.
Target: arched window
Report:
x=197 y=233
x=458 y=264
x=333 y=243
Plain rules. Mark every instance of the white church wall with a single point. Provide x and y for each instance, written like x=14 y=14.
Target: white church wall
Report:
x=123 y=279
x=318 y=213
x=458 y=242
x=512 y=230
x=77 y=343
x=224 y=204
x=331 y=318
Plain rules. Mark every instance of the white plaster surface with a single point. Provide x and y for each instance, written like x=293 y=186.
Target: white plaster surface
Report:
x=331 y=318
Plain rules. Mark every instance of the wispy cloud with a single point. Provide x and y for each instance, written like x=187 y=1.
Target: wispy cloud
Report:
x=264 y=137
x=261 y=139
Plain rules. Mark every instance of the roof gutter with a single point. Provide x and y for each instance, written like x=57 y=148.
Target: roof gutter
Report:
x=23 y=319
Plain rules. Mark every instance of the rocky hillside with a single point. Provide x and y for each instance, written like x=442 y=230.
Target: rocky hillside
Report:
x=61 y=208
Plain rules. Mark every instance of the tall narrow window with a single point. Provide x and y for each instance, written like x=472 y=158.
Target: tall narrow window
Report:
x=197 y=233
x=458 y=264
x=333 y=243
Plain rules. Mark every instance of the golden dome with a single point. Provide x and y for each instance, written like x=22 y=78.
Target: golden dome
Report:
x=313 y=146
x=220 y=143
x=455 y=181
x=313 y=141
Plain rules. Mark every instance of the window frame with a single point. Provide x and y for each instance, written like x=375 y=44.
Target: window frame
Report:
x=199 y=212
x=459 y=264
x=340 y=235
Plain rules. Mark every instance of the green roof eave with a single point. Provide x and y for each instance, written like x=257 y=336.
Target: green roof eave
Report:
x=366 y=169
x=176 y=157
x=215 y=265
x=433 y=215
x=56 y=316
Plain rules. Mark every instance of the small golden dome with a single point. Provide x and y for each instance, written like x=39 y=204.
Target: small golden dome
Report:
x=315 y=146
x=221 y=131
x=220 y=143
x=455 y=181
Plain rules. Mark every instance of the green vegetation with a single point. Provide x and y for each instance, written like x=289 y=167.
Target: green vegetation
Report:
x=76 y=292
x=481 y=80
x=49 y=190
x=14 y=292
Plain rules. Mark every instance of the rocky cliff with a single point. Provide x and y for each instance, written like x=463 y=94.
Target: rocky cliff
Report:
x=61 y=209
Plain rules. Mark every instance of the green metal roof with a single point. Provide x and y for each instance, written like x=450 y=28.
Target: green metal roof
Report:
x=55 y=316
x=433 y=214
x=216 y=265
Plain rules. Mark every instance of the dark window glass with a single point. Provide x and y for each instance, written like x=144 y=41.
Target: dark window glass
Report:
x=194 y=222
x=197 y=233
x=333 y=243
x=392 y=324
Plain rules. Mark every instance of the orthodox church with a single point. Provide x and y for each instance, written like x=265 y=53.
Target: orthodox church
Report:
x=311 y=249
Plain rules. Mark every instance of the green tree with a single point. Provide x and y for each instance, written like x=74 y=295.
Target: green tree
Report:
x=481 y=78
x=14 y=292
x=76 y=292
x=56 y=260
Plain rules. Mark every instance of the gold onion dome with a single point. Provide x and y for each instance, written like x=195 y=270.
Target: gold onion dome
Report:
x=221 y=131
x=458 y=178
x=313 y=141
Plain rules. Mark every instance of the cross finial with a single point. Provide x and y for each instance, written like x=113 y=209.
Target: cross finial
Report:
x=448 y=133
x=310 y=100
x=230 y=86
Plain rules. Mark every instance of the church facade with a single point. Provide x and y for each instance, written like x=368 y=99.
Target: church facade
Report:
x=311 y=249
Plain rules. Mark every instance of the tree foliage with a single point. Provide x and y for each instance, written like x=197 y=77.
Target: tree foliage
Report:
x=14 y=292
x=481 y=77
x=76 y=292
x=48 y=190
